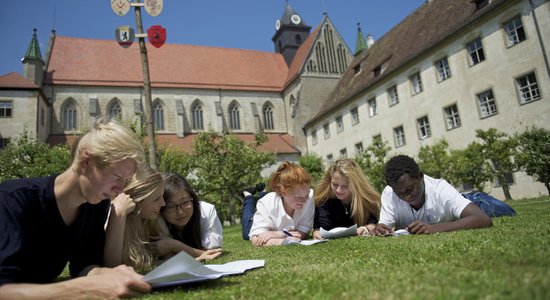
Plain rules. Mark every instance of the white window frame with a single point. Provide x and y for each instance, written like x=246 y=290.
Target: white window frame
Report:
x=393 y=96
x=443 y=69
x=416 y=83
x=314 y=139
x=452 y=117
x=423 y=125
x=399 y=136
x=475 y=52
x=372 y=107
x=354 y=116
x=515 y=32
x=528 y=88
x=339 y=124
x=326 y=131
x=486 y=103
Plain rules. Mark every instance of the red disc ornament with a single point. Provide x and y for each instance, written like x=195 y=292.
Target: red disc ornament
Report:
x=156 y=35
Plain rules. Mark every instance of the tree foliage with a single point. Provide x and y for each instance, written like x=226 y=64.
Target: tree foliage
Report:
x=26 y=157
x=220 y=167
x=534 y=154
x=469 y=167
x=313 y=163
x=499 y=149
x=435 y=160
x=372 y=161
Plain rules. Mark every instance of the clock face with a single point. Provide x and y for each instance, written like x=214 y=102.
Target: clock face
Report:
x=277 y=24
x=295 y=19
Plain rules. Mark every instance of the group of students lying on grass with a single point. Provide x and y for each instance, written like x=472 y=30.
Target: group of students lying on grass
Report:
x=411 y=201
x=70 y=217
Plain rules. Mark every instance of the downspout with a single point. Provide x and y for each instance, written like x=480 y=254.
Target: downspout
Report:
x=540 y=38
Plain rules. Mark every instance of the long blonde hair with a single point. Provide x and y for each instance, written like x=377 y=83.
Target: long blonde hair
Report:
x=365 y=200
x=136 y=249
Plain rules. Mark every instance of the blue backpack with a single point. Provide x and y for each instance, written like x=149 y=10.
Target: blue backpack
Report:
x=491 y=206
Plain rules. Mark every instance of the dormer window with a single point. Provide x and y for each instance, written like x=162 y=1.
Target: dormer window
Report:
x=357 y=69
x=480 y=3
x=377 y=71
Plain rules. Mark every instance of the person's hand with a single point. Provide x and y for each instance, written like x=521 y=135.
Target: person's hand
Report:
x=123 y=204
x=119 y=282
x=163 y=245
x=264 y=237
x=363 y=230
x=419 y=227
x=210 y=254
x=317 y=235
x=382 y=229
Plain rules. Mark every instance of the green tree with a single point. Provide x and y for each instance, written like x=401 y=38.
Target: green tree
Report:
x=176 y=161
x=435 y=160
x=469 y=167
x=499 y=149
x=313 y=163
x=534 y=154
x=372 y=161
x=222 y=166
x=26 y=157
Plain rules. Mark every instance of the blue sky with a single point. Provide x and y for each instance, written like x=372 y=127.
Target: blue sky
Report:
x=244 y=24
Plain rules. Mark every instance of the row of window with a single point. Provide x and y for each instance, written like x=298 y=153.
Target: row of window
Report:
x=486 y=103
x=526 y=85
x=69 y=115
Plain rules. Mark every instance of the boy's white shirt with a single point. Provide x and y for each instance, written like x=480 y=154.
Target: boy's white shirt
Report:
x=270 y=215
x=443 y=203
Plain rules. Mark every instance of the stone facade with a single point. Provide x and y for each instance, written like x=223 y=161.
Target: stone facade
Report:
x=495 y=81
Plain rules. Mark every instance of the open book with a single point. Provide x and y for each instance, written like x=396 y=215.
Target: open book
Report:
x=183 y=268
x=339 y=232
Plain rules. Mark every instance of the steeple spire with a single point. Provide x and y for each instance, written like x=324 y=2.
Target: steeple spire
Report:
x=33 y=65
x=33 y=51
x=360 y=43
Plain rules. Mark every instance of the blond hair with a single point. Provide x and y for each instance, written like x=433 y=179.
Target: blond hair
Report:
x=365 y=200
x=108 y=143
x=136 y=249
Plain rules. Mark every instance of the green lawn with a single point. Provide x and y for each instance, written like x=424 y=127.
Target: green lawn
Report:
x=510 y=260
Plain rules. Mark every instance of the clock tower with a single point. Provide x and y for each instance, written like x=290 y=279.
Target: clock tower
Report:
x=290 y=32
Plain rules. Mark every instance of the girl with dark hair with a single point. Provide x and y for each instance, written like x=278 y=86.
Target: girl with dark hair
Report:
x=193 y=226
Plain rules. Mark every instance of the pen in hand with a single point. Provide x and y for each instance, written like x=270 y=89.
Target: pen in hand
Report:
x=287 y=233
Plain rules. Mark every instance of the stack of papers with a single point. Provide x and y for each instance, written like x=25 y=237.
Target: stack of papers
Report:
x=339 y=232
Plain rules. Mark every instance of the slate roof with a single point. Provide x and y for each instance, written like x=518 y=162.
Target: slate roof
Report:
x=419 y=32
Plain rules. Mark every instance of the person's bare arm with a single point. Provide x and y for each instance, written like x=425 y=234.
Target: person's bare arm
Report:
x=470 y=217
x=119 y=282
x=121 y=206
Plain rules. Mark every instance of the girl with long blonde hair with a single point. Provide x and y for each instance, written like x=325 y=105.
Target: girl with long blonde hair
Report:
x=133 y=220
x=344 y=197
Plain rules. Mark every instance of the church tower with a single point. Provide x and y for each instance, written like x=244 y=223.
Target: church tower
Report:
x=33 y=65
x=291 y=32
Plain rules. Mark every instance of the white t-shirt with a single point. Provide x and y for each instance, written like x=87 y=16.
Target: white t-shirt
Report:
x=271 y=215
x=443 y=203
x=211 y=227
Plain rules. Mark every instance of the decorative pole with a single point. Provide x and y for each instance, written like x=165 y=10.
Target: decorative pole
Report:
x=146 y=89
x=157 y=36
